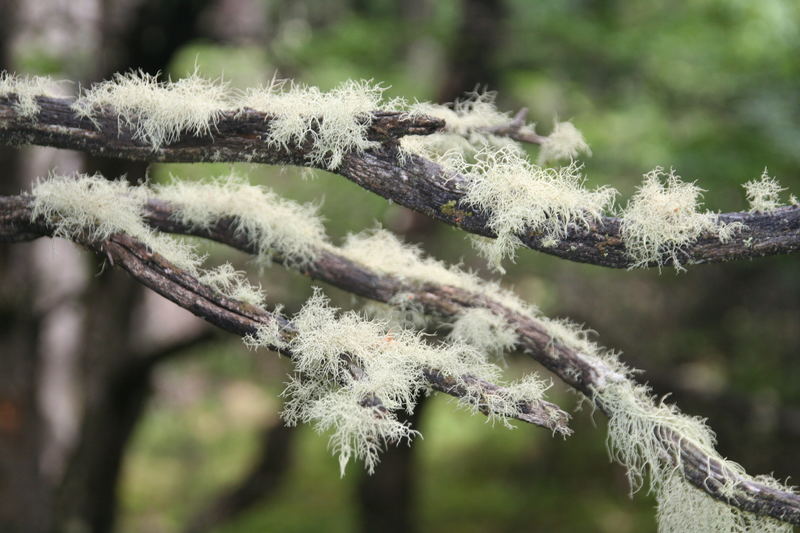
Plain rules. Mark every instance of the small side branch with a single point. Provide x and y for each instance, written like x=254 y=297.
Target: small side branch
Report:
x=518 y=129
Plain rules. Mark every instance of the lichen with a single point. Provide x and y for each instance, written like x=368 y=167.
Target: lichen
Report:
x=354 y=374
x=93 y=208
x=468 y=126
x=337 y=121
x=662 y=218
x=763 y=193
x=565 y=143
x=26 y=89
x=520 y=197
x=647 y=437
x=157 y=111
x=484 y=330
x=271 y=224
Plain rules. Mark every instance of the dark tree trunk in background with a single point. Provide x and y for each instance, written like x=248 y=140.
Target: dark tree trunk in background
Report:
x=255 y=487
x=24 y=492
x=387 y=497
x=473 y=59
x=116 y=386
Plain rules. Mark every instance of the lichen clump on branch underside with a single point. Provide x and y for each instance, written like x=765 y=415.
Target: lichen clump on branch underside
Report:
x=663 y=217
x=354 y=374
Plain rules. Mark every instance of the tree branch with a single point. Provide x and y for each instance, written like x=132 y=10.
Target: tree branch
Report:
x=411 y=181
x=518 y=129
x=180 y=287
x=585 y=374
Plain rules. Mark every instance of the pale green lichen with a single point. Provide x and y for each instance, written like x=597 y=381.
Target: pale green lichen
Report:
x=402 y=310
x=647 y=437
x=763 y=193
x=662 y=218
x=486 y=331
x=353 y=374
x=383 y=251
x=272 y=225
x=93 y=208
x=519 y=196
x=467 y=129
x=504 y=406
x=565 y=143
x=337 y=121
x=157 y=111
x=232 y=283
x=26 y=89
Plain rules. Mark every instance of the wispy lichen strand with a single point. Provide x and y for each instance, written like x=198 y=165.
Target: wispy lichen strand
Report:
x=353 y=374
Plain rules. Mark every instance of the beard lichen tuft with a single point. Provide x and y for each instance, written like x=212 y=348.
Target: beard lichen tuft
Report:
x=763 y=194
x=662 y=218
x=354 y=374
x=157 y=111
x=271 y=224
x=93 y=208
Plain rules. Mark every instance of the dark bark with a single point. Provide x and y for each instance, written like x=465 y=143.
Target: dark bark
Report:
x=413 y=182
x=473 y=63
x=583 y=373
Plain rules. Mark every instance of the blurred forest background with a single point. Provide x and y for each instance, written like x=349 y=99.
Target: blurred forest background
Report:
x=118 y=408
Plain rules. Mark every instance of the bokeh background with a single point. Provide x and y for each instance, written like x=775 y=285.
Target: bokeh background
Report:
x=119 y=410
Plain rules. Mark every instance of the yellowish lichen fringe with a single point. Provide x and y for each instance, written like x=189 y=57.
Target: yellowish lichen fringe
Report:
x=662 y=217
x=336 y=120
x=520 y=197
x=468 y=123
x=271 y=224
x=94 y=208
x=157 y=112
x=353 y=374
x=764 y=193
x=484 y=330
x=26 y=89
x=565 y=143
x=646 y=437
x=383 y=251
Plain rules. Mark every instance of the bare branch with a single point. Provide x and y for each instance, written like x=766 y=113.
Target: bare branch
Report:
x=410 y=181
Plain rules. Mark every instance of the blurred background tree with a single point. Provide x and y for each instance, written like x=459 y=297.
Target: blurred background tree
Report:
x=118 y=410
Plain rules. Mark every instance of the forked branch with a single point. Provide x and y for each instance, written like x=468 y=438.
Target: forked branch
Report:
x=584 y=372
x=243 y=319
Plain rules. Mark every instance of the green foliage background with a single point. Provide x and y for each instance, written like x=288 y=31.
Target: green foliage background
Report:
x=708 y=87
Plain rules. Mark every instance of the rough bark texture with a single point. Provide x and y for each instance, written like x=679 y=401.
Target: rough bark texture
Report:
x=411 y=181
x=577 y=370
